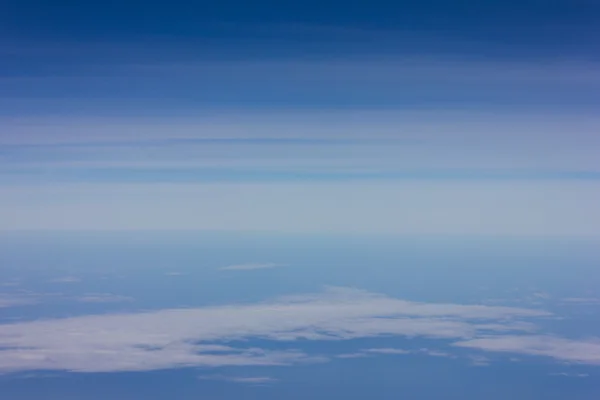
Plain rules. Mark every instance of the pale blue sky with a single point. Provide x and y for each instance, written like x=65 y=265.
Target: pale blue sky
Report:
x=407 y=172
x=458 y=121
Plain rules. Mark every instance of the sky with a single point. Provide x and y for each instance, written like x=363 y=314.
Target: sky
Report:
x=429 y=117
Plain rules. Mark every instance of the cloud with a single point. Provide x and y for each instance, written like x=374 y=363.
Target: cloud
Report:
x=327 y=83
x=479 y=361
x=351 y=355
x=581 y=300
x=254 y=380
x=583 y=351
x=66 y=279
x=250 y=266
x=436 y=353
x=103 y=298
x=203 y=336
x=397 y=351
x=571 y=374
x=387 y=351
x=16 y=300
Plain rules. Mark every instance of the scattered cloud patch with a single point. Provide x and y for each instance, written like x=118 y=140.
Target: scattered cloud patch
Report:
x=584 y=351
x=479 y=361
x=35 y=375
x=16 y=300
x=397 y=351
x=11 y=283
x=252 y=380
x=352 y=355
x=436 y=353
x=582 y=300
x=66 y=279
x=571 y=374
x=542 y=295
x=250 y=266
x=103 y=298
x=387 y=351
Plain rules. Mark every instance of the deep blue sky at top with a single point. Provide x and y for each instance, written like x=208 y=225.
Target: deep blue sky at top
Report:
x=534 y=27
x=92 y=43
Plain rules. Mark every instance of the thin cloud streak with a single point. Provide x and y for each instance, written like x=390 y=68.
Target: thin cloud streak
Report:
x=297 y=82
x=7 y=301
x=386 y=350
x=250 y=266
x=251 y=380
x=103 y=298
x=66 y=279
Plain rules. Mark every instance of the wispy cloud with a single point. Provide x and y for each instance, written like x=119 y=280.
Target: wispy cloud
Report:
x=251 y=380
x=570 y=374
x=479 y=360
x=581 y=300
x=66 y=279
x=584 y=351
x=16 y=300
x=250 y=266
x=396 y=351
x=386 y=350
x=440 y=144
x=190 y=337
x=103 y=298
x=436 y=353
x=330 y=82
x=11 y=283
x=352 y=355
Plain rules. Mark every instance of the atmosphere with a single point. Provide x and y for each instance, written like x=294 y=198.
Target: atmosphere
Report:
x=299 y=200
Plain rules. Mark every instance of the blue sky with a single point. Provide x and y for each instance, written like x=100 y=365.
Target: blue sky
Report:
x=549 y=25
x=411 y=117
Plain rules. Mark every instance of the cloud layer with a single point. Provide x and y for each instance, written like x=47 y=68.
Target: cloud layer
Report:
x=207 y=336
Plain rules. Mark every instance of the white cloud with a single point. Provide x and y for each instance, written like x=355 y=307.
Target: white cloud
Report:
x=351 y=355
x=387 y=350
x=254 y=380
x=66 y=279
x=479 y=360
x=103 y=298
x=436 y=353
x=582 y=300
x=571 y=374
x=186 y=337
x=16 y=300
x=250 y=266
x=584 y=351
x=392 y=350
